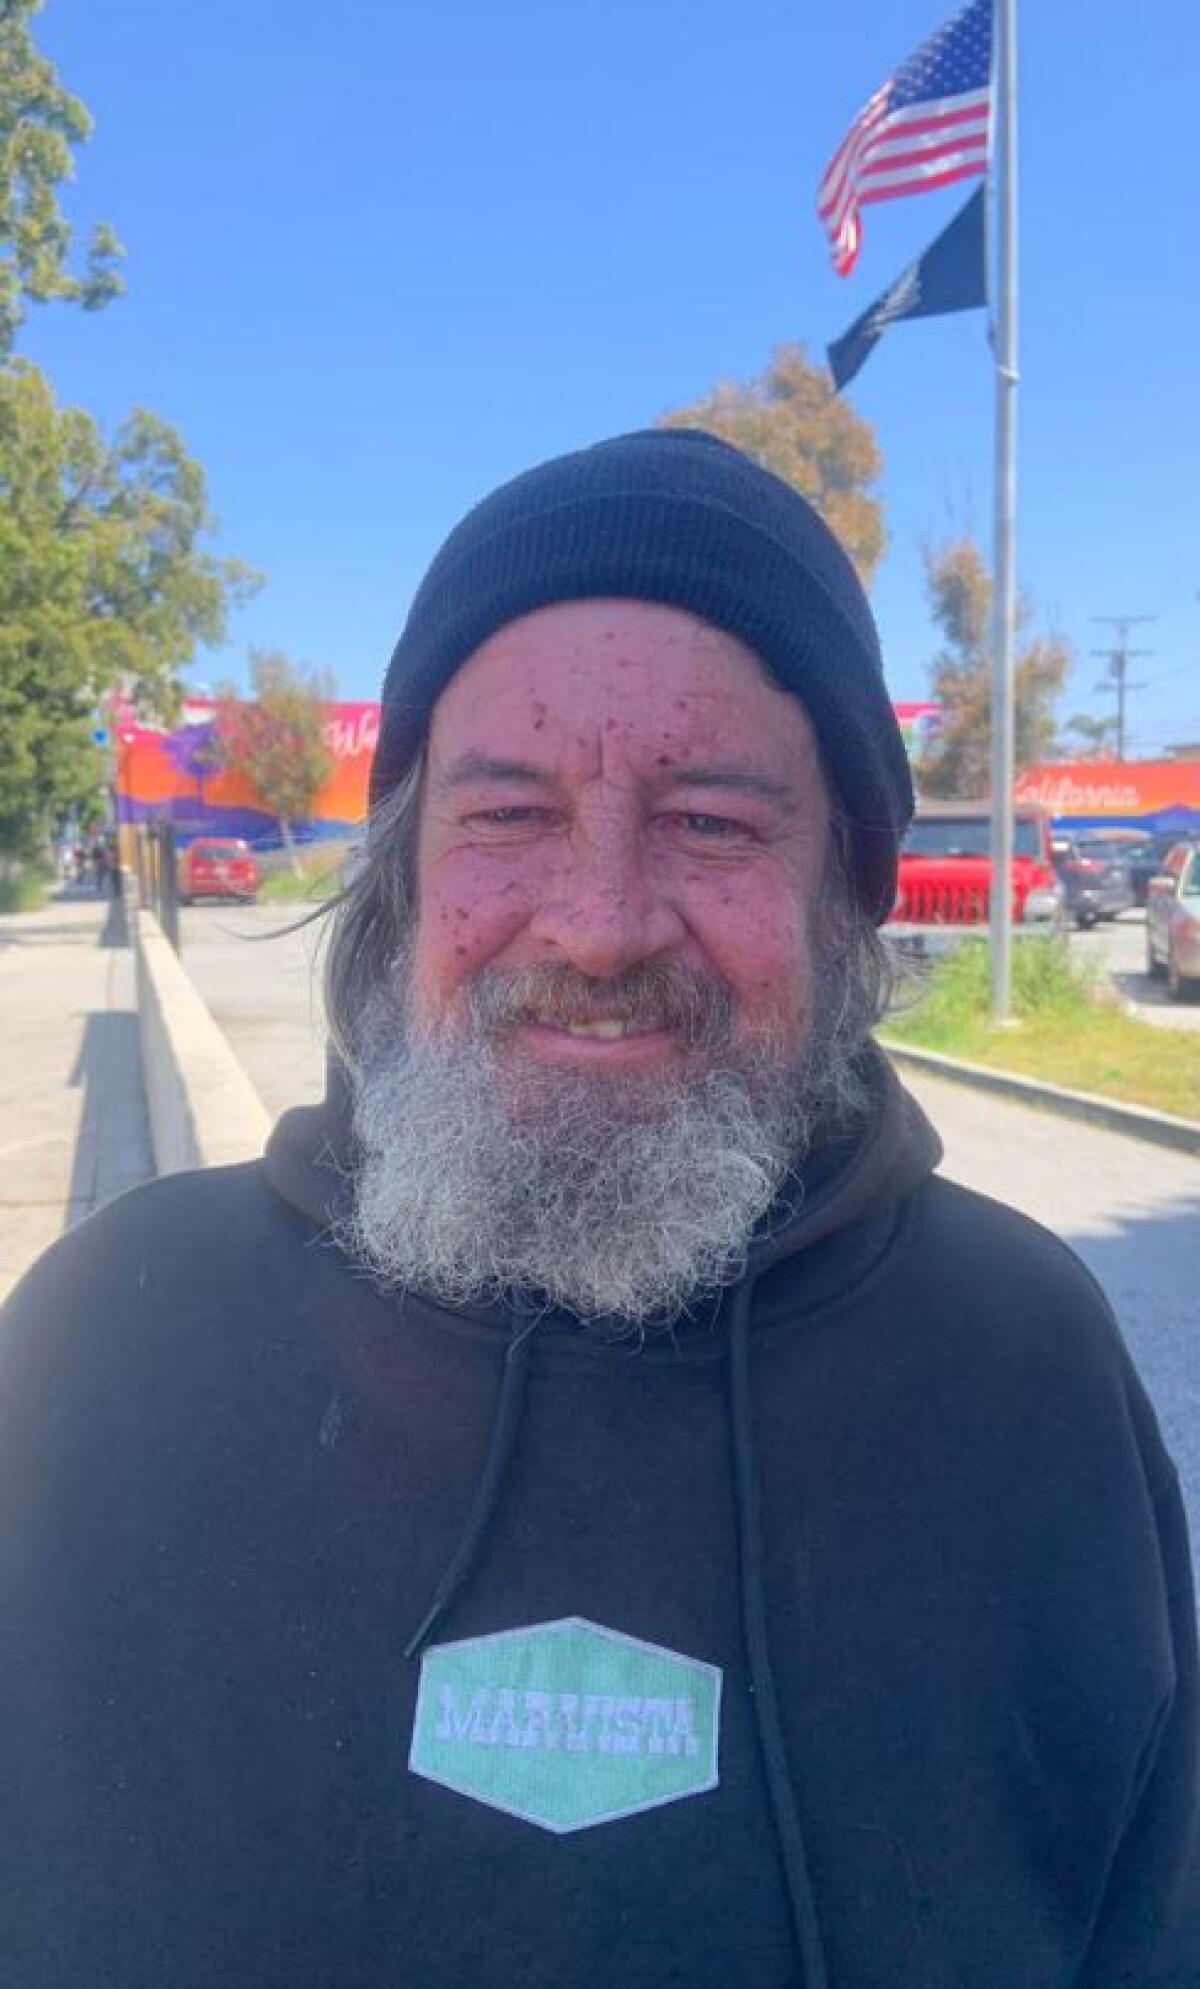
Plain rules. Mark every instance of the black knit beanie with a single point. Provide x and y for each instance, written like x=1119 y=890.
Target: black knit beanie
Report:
x=671 y=515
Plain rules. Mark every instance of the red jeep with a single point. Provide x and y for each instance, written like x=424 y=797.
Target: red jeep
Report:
x=946 y=867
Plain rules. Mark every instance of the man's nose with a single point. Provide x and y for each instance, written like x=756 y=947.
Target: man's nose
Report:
x=603 y=910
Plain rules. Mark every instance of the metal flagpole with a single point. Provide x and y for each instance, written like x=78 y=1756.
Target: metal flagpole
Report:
x=1004 y=577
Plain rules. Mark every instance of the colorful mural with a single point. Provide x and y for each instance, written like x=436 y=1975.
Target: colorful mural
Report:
x=168 y=776
x=1162 y=796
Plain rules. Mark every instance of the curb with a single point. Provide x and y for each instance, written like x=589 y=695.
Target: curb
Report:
x=1137 y=1121
x=203 y=1110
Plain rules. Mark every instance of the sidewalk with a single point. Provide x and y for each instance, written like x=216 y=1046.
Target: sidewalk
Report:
x=73 y=1129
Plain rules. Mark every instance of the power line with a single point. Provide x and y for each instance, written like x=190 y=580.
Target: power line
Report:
x=1118 y=665
x=1177 y=670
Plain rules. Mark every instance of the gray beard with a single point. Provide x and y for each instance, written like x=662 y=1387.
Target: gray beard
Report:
x=620 y=1199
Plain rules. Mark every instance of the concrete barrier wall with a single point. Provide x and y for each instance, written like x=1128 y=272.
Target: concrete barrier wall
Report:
x=202 y=1107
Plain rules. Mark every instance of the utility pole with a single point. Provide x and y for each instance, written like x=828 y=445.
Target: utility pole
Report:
x=1119 y=657
x=1003 y=190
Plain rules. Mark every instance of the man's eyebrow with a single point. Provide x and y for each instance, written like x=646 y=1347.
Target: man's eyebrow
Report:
x=474 y=766
x=486 y=766
x=744 y=780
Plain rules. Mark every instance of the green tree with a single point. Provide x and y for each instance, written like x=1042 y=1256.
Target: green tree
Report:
x=1096 y=736
x=41 y=124
x=958 y=764
x=277 y=741
x=105 y=584
x=792 y=422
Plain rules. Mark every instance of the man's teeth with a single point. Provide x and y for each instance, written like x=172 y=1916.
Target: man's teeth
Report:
x=606 y=1032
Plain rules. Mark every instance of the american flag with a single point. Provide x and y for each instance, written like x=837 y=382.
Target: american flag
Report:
x=927 y=126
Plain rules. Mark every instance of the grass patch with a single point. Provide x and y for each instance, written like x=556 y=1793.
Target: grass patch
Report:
x=24 y=887
x=1068 y=1032
x=319 y=877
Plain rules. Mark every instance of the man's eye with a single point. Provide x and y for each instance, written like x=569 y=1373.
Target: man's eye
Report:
x=515 y=817
x=712 y=827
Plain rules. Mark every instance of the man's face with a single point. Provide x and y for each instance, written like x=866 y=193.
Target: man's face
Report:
x=613 y=785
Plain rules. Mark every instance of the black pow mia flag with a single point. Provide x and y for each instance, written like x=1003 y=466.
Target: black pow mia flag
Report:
x=950 y=276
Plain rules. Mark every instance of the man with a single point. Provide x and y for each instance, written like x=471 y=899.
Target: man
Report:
x=593 y=1506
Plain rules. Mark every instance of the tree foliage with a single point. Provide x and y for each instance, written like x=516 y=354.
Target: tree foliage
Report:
x=104 y=584
x=791 y=420
x=958 y=763
x=1097 y=737
x=277 y=742
x=41 y=124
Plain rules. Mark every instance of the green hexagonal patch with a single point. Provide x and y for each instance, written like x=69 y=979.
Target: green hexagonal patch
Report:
x=566 y=1724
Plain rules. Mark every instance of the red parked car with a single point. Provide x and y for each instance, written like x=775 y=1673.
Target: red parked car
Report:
x=946 y=867
x=218 y=867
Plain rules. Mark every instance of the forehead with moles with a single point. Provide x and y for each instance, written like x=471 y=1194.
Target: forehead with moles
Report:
x=624 y=693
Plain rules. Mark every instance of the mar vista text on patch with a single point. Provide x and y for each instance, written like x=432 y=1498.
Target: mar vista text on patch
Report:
x=575 y=1722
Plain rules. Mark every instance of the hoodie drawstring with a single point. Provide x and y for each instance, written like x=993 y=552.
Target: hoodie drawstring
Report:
x=758 y=1653
x=487 y=1492
x=509 y=1407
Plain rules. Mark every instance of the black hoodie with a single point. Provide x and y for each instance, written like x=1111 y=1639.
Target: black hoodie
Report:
x=845 y=1638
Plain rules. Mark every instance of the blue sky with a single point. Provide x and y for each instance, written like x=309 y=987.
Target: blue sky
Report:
x=382 y=256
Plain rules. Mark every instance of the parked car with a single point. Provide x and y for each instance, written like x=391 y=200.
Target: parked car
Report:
x=1173 y=921
x=218 y=867
x=1094 y=870
x=1146 y=861
x=946 y=867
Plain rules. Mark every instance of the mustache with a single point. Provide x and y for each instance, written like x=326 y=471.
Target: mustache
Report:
x=654 y=994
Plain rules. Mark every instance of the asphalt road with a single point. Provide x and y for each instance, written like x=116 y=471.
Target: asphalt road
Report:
x=1131 y=1210
x=1117 y=947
